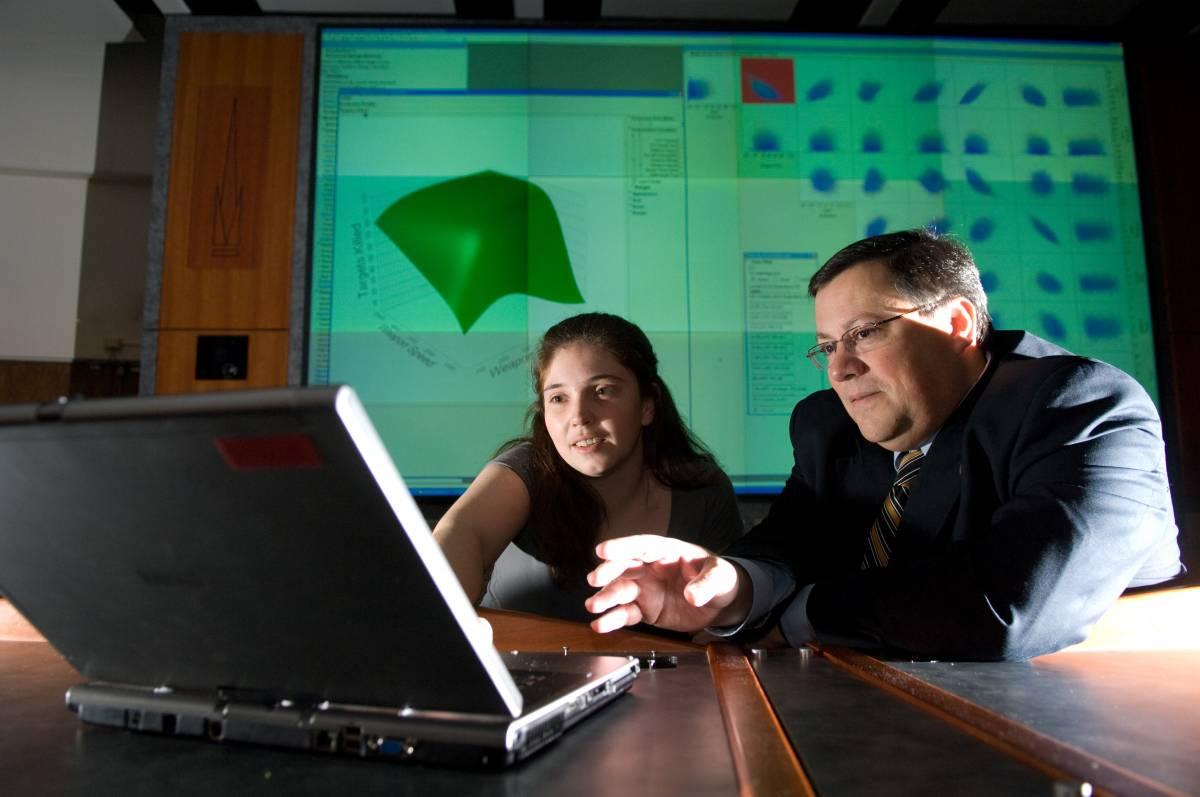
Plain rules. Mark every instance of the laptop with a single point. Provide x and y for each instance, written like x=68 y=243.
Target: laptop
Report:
x=250 y=567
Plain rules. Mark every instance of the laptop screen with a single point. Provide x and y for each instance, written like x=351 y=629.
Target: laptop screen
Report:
x=259 y=540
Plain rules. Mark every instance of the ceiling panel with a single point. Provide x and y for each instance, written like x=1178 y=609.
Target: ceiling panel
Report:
x=172 y=6
x=103 y=20
x=1037 y=13
x=62 y=21
x=440 y=7
x=748 y=10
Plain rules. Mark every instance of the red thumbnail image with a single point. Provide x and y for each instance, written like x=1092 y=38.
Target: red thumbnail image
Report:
x=768 y=80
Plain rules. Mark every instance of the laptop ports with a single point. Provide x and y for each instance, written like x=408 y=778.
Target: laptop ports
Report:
x=326 y=742
x=352 y=741
x=393 y=748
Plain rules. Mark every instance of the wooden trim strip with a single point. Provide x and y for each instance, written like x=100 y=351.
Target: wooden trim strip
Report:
x=762 y=755
x=1058 y=759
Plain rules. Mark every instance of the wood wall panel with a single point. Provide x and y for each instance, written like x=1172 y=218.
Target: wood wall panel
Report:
x=33 y=380
x=23 y=381
x=176 y=368
x=232 y=185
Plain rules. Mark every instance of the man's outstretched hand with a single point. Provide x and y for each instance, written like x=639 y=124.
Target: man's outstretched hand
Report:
x=667 y=583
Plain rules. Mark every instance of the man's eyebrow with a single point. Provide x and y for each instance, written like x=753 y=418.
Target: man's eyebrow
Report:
x=851 y=324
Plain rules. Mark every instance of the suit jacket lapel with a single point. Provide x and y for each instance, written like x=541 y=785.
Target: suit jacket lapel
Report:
x=867 y=480
x=936 y=493
x=859 y=479
x=871 y=471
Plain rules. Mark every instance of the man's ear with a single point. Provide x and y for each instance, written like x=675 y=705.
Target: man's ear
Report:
x=964 y=321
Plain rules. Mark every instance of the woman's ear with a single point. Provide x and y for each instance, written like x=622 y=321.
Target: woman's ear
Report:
x=650 y=404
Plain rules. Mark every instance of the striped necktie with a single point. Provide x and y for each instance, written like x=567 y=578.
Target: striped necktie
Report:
x=882 y=536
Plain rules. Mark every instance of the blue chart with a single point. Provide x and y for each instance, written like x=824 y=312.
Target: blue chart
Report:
x=1025 y=155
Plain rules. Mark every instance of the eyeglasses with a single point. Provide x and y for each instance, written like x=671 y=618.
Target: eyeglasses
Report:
x=857 y=340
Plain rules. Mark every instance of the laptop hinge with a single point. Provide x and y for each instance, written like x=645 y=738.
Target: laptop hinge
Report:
x=227 y=695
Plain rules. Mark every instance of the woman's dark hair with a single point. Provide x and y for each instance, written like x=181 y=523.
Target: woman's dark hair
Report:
x=565 y=511
x=926 y=267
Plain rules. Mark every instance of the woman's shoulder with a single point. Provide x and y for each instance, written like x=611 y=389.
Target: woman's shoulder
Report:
x=708 y=484
x=517 y=457
x=707 y=513
x=700 y=475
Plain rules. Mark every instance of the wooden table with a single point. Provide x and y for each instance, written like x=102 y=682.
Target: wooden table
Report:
x=1120 y=713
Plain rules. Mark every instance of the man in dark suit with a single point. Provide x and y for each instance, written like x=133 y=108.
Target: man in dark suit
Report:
x=958 y=493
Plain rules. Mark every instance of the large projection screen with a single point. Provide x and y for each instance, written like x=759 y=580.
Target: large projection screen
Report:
x=473 y=187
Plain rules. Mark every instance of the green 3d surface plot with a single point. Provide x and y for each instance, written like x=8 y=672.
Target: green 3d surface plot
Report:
x=482 y=237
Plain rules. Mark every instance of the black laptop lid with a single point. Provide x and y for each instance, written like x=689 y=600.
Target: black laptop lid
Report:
x=259 y=541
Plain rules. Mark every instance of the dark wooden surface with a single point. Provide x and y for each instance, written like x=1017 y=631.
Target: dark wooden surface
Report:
x=1118 y=713
x=667 y=736
x=856 y=739
x=1126 y=721
x=664 y=737
x=765 y=760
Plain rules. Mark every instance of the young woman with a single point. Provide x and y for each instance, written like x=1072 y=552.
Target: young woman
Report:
x=606 y=455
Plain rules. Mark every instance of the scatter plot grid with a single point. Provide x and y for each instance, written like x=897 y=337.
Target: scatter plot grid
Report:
x=1022 y=152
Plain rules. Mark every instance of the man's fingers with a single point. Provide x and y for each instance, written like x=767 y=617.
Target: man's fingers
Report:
x=629 y=614
x=618 y=592
x=648 y=548
x=607 y=572
x=718 y=578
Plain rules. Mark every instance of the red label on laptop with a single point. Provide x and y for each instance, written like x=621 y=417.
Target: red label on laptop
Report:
x=269 y=451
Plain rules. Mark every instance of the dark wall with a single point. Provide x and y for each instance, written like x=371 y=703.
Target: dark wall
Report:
x=1165 y=99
